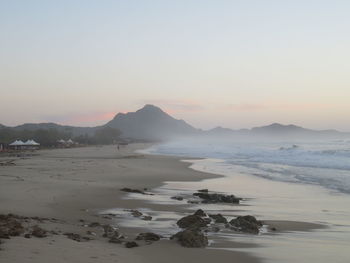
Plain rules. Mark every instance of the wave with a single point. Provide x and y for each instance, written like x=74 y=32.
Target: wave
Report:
x=323 y=163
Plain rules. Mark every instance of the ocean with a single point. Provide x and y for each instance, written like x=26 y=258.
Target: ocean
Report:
x=323 y=163
x=299 y=181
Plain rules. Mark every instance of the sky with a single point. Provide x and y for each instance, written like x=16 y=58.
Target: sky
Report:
x=236 y=64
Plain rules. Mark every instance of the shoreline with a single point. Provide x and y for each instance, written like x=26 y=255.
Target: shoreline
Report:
x=73 y=184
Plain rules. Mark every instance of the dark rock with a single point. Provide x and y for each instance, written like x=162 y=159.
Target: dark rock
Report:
x=116 y=239
x=247 y=224
x=109 y=231
x=27 y=236
x=217 y=198
x=74 y=236
x=148 y=236
x=191 y=238
x=94 y=224
x=200 y=213
x=136 y=213
x=207 y=220
x=129 y=190
x=131 y=244
x=218 y=218
x=203 y=191
x=192 y=221
x=212 y=229
x=39 y=232
x=146 y=218
x=192 y=202
x=179 y=198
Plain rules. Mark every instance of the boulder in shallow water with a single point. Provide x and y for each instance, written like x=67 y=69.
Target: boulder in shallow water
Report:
x=192 y=221
x=191 y=238
x=200 y=213
x=247 y=224
x=136 y=213
x=217 y=198
x=178 y=198
x=218 y=218
x=146 y=218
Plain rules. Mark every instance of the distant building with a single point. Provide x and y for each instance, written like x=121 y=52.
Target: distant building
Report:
x=28 y=145
x=17 y=145
x=66 y=144
x=31 y=145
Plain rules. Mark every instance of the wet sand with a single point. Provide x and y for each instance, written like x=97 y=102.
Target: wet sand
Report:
x=73 y=185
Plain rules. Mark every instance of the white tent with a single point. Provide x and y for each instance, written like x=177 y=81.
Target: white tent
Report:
x=31 y=143
x=34 y=143
x=17 y=143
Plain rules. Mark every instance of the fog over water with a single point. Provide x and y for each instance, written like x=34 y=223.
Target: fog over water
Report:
x=325 y=163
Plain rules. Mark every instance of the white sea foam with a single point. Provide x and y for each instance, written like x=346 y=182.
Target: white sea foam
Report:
x=324 y=163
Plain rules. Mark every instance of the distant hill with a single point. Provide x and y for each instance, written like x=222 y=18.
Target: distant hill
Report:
x=217 y=131
x=150 y=123
x=277 y=130
x=75 y=131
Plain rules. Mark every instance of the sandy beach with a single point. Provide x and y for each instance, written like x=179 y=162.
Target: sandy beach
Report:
x=72 y=185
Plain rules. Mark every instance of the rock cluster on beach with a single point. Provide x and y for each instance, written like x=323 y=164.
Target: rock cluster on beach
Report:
x=208 y=198
x=193 y=232
x=14 y=225
x=10 y=226
x=205 y=197
x=197 y=224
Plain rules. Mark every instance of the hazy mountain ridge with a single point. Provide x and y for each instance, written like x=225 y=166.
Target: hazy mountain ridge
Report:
x=279 y=130
x=76 y=131
x=152 y=123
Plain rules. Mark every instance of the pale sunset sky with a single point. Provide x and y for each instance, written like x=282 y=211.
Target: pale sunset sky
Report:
x=236 y=64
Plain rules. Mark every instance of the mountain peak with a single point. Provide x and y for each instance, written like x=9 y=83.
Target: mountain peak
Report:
x=150 y=108
x=150 y=123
